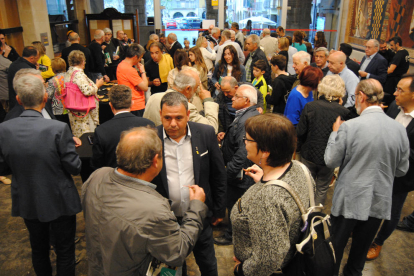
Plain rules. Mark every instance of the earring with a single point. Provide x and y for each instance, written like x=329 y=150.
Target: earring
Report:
x=260 y=162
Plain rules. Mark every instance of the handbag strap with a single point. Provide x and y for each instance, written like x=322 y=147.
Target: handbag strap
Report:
x=73 y=74
x=309 y=181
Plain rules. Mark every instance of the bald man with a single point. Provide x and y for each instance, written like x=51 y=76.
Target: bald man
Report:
x=75 y=40
x=337 y=65
x=269 y=44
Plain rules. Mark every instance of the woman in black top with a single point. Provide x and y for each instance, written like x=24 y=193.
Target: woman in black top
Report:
x=280 y=85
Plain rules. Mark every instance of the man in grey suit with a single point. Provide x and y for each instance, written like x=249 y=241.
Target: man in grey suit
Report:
x=41 y=156
x=370 y=150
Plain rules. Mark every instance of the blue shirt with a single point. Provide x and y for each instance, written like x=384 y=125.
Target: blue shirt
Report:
x=351 y=81
x=295 y=104
x=300 y=47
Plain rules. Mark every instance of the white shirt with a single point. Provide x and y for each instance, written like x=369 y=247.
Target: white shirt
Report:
x=208 y=57
x=404 y=118
x=291 y=52
x=180 y=171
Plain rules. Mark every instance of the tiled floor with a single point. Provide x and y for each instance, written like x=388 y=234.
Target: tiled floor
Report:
x=15 y=255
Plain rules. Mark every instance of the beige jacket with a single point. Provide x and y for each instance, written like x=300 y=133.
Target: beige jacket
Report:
x=270 y=45
x=152 y=111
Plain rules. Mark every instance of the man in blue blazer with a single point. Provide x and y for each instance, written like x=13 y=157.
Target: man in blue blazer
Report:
x=107 y=135
x=41 y=156
x=191 y=156
x=373 y=65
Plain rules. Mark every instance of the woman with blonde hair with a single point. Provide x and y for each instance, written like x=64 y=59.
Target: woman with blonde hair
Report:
x=198 y=63
x=45 y=65
x=55 y=88
x=314 y=128
x=209 y=57
x=82 y=122
x=283 y=50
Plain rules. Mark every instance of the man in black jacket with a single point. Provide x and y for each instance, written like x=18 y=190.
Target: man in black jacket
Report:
x=175 y=45
x=235 y=154
x=116 y=52
x=107 y=135
x=6 y=50
x=75 y=39
x=352 y=65
x=97 y=67
x=402 y=110
x=252 y=45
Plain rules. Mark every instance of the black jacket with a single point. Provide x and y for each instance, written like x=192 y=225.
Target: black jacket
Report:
x=122 y=51
x=405 y=183
x=20 y=63
x=324 y=70
x=98 y=58
x=174 y=48
x=259 y=54
x=86 y=52
x=234 y=151
x=208 y=165
x=13 y=55
x=107 y=137
x=352 y=65
x=315 y=127
x=281 y=86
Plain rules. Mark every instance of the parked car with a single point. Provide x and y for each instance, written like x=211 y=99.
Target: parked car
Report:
x=189 y=23
x=171 y=24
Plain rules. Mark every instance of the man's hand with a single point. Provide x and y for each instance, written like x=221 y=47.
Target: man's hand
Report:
x=115 y=57
x=77 y=141
x=220 y=136
x=217 y=85
x=254 y=172
x=216 y=221
x=156 y=82
x=197 y=192
x=212 y=45
x=103 y=47
x=7 y=50
x=141 y=67
x=204 y=94
x=99 y=82
x=362 y=73
x=106 y=78
x=337 y=124
x=237 y=262
x=260 y=110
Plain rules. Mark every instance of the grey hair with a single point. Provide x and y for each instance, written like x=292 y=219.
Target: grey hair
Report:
x=30 y=90
x=255 y=39
x=266 y=31
x=249 y=92
x=98 y=34
x=232 y=32
x=332 y=87
x=172 y=36
x=226 y=34
x=184 y=79
x=73 y=37
x=174 y=99
x=152 y=36
x=322 y=49
x=215 y=30
x=107 y=30
x=135 y=155
x=372 y=89
x=376 y=43
x=76 y=57
x=303 y=57
x=23 y=72
x=230 y=80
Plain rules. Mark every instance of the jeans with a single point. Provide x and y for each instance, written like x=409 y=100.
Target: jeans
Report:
x=233 y=195
x=63 y=229
x=363 y=232
x=388 y=226
x=323 y=177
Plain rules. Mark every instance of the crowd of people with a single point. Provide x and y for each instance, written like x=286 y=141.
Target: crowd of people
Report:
x=198 y=130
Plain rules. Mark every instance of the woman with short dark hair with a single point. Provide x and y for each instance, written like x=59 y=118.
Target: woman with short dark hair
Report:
x=302 y=94
x=266 y=220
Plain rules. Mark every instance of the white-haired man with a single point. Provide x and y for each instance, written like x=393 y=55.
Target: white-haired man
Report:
x=235 y=154
x=225 y=37
x=300 y=60
x=215 y=36
x=373 y=66
x=97 y=67
x=269 y=44
x=175 y=45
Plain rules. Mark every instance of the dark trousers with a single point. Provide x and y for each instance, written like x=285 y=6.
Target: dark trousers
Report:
x=63 y=229
x=323 y=177
x=138 y=113
x=233 y=195
x=388 y=226
x=363 y=232
x=204 y=253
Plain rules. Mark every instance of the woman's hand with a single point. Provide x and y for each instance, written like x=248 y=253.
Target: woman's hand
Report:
x=254 y=172
x=99 y=82
x=237 y=262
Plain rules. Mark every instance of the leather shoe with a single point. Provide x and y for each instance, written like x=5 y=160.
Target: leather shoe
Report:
x=222 y=241
x=403 y=227
x=373 y=251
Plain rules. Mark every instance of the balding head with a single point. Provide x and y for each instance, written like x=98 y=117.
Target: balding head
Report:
x=337 y=62
x=99 y=36
x=120 y=35
x=186 y=82
x=154 y=37
x=73 y=38
x=266 y=32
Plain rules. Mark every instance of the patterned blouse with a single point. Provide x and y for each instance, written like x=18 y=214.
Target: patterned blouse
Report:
x=91 y=121
x=54 y=88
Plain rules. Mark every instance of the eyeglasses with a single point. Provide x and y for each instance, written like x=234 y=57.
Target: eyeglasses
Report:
x=399 y=90
x=238 y=97
x=250 y=140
